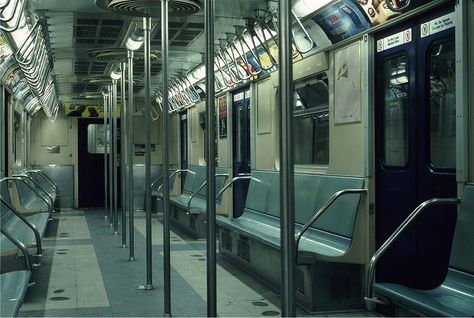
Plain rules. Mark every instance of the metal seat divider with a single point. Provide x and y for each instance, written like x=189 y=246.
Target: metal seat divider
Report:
x=370 y=298
x=199 y=189
x=320 y=212
x=39 y=248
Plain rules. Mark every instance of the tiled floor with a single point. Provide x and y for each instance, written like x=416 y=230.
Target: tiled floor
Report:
x=86 y=272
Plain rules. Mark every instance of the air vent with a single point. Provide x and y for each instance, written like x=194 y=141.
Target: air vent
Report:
x=99 y=29
x=149 y=8
x=116 y=55
x=86 y=68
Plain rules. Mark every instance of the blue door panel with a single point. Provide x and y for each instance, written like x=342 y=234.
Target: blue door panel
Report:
x=420 y=257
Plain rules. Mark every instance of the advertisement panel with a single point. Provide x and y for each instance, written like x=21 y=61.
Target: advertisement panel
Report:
x=86 y=110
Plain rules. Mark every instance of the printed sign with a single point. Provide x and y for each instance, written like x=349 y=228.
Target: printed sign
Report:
x=437 y=25
x=394 y=40
x=342 y=20
x=222 y=103
x=347 y=99
x=86 y=111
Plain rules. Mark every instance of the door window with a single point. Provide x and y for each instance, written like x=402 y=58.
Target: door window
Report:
x=395 y=112
x=442 y=105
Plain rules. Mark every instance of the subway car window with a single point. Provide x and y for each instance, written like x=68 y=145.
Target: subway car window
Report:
x=311 y=122
x=442 y=105
x=95 y=139
x=396 y=111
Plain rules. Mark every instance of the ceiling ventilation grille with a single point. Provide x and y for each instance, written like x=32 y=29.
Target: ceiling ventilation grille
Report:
x=181 y=33
x=98 y=31
x=149 y=8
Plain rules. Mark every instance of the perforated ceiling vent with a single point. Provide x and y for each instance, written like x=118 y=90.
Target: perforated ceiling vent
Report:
x=98 y=31
x=149 y=8
x=181 y=34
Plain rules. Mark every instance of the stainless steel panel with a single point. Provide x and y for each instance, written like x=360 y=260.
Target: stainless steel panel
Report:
x=139 y=184
x=63 y=176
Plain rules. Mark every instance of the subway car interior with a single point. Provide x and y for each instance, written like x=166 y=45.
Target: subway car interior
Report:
x=236 y=158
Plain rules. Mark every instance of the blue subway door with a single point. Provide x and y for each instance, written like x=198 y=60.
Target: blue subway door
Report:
x=240 y=146
x=415 y=156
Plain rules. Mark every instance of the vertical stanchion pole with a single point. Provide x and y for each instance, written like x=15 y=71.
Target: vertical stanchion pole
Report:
x=166 y=186
x=209 y=15
x=25 y=139
x=115 y=154
x=147 y=29
x=123 y=152
x=287 y=239
x=105 y=156
x=131 y=228
x=111 y=155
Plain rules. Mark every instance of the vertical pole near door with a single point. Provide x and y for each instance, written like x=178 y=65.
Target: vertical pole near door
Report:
x=111 y=155
x=209 y=16
x=123 y=152
x=105 y=155
x=115 y=153
x=111 y=151
x=147 y=29
x=25 y=139
x=131 y=228
x=166 y=163
x=287 y=240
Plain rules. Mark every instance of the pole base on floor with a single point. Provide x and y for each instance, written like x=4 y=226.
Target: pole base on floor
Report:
x=146 y=287
x=131 y=259
x=124 y=245
x=167 y=315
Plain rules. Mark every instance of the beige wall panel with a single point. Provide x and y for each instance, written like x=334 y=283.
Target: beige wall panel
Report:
x=174 y=139
x=344 y=139
x=55 y=134
x=196 y=151
x=67 y=128
x=264 y=107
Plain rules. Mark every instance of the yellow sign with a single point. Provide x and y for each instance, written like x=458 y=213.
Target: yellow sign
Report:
x=86 y=111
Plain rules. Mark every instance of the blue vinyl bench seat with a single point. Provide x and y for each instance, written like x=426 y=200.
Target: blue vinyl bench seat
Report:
x=193 y=187
x=266 y=229
x=12 y=223
x=331 y=235
x=13 y=289
x=455 y=296
x=31 y=201
x=252 y=240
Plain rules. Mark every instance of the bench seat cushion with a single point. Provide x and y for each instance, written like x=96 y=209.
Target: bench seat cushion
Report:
x=34 y=203
x=266 y=228
x=455 y=297
x=13 y=288
x=22 y=232
x=40 y=220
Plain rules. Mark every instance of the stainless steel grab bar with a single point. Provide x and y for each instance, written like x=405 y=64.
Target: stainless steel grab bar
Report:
x=39 y=248
x=200 y=188
x=48 y=204
x=176 y=172
x=36 y=185
x=375 y=258
x=20 y=245
x=45 y=177
x=326 y=205
x=239 y=177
